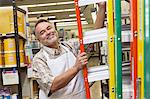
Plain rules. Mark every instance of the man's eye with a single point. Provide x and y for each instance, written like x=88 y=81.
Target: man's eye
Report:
x=48 y=28
x=42 y=32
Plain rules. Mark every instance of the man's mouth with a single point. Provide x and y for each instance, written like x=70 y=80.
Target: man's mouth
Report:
x=51 y=36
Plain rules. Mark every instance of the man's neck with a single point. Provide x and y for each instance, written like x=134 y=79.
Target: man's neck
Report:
x=55 y=45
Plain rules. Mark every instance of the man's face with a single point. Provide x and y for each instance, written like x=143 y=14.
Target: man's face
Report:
x=46 y=33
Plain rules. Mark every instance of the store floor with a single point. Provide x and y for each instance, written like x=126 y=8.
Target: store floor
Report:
x=96 y=91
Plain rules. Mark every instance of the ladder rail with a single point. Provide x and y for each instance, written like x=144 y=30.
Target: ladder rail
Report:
x=140 y=40
x=118 y=49
x=85 y=73
x=111 y=49
x=146 y=49
x=134 y=45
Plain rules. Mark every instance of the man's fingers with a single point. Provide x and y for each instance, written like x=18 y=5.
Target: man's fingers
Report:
x=83 y=54
x=83 y=57
x=84 y=61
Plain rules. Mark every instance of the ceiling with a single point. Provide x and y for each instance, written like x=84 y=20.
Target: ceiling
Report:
x=55 y=10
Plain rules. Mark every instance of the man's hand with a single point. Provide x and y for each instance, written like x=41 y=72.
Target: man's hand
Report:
x=81 y=61
x=63 y=79
x=101 y=4
x=99 y=23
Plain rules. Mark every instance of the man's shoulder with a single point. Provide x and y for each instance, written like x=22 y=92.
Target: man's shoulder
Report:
x=71 y=47
x=67 y=44
x=38 y=55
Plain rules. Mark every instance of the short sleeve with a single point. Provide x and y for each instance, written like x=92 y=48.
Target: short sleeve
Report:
x=42 y=74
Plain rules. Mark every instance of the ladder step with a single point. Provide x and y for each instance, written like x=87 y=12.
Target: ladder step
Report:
x=101 y=35
x=97 y=73
x=87 y=2
x=95 y=36
x=126 y=36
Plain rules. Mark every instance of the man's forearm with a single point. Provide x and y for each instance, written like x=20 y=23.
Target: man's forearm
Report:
x=99 y=23
x=63 y=79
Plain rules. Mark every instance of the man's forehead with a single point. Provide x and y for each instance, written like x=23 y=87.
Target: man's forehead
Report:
x=42 y=25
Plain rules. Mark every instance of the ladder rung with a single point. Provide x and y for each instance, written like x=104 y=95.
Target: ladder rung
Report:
x=95 y=36
x=97 y=73
x=126 y=36
x=87 y=2
x=97 y=68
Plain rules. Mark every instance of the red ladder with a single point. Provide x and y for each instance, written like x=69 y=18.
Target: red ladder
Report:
x=85 y=73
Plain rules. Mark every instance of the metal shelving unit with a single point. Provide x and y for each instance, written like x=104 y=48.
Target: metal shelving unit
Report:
x=15 y=35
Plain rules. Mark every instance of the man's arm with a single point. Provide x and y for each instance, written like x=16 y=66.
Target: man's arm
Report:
x=99 y=23
x=63 y=79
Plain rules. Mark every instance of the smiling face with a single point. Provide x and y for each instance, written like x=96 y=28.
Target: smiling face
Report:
x=46 y=34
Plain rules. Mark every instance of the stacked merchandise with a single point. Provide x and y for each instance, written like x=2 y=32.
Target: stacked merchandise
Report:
x=10 y=52
x=0 y=53
x=7 y=21
x=7 y=28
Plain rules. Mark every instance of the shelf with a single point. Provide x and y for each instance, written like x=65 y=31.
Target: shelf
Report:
x=5 y=3
x=22 y=35
x=9 y=35
x=22 y=66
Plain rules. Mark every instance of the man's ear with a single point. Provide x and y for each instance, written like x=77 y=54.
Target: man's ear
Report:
x=36 y=36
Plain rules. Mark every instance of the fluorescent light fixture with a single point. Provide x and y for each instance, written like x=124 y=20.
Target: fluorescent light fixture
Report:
x=35 y=18
x=52 y=17
x=74 y=15
x=66 y=23
x=70 y=23
x=63 y=20
x=49 y=4
x=52 y=11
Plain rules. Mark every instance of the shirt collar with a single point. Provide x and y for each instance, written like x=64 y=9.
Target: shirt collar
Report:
x=52 y=51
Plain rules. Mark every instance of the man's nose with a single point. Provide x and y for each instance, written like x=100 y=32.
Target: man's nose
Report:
x=47 y=32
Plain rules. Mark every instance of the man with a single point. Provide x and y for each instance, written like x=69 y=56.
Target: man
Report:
x=56 y=67
x=100 y=18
